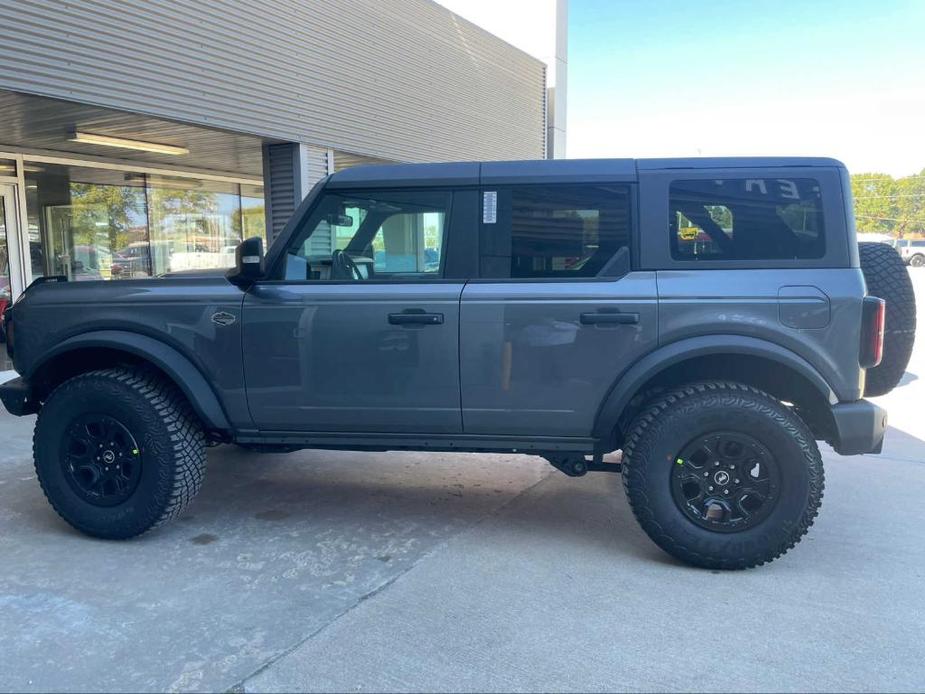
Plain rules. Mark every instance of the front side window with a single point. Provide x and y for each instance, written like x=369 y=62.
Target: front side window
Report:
x=746 y=219
x=553 y=231
x=371 y=236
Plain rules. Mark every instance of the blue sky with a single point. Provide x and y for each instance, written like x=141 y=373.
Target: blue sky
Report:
x=714 y=77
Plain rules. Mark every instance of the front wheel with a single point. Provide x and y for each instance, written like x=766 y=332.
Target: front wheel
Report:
x=722 y=475
x=118 y=452
x=917 y=260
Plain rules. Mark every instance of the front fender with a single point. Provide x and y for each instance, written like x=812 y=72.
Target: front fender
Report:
x=178 y=367
x=632 y=379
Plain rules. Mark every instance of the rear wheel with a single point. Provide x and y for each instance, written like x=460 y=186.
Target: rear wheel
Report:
x=888 y=279
x=918 y=260
x=722 y=475
x=118 y=452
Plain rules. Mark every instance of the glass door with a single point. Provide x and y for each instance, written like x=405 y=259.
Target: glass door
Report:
x=7 y=241
x=11 y=278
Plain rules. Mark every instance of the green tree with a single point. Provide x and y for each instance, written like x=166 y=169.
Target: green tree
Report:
x=100 y=210
x=910 y=205
x=249 y=221
x=891 y=206
x=874 y=195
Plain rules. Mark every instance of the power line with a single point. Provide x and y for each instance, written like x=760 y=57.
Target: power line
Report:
x=896 y=195
x=885 y=177
x=885 y=219
x=873 y=175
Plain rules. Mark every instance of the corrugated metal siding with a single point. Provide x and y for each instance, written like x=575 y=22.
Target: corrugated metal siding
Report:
x=280 y=173
x=316 y=166
x=399 y=79
x=289 y=172
x=345 y=160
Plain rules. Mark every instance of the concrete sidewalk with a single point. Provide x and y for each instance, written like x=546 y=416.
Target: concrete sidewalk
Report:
x=559 y=591
x=329 y=571
x=370 y=572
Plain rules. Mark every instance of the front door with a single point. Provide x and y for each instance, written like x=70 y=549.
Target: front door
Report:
x=358 y=331
x=557 y=314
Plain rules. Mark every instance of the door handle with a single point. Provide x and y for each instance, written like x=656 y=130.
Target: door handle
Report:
x=415 y=318
x=601 y=317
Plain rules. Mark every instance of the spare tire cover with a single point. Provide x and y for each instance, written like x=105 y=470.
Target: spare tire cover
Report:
x=888 y=279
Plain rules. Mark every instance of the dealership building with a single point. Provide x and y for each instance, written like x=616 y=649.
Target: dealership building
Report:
x=144 y=136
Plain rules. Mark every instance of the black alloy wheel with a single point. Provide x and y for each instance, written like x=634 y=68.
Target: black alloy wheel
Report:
x=101 y=459
x=118 y=451
x=722 y=475
x=725 y=481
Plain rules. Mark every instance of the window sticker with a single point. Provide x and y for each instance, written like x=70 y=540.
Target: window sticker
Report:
x=490 y=207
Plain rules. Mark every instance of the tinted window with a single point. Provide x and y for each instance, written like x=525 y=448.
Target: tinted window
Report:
x=364 y=236
x=746 y=219
x=552 y=231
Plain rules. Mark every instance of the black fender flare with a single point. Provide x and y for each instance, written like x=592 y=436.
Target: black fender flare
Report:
x=172 y=362
x=632 y=379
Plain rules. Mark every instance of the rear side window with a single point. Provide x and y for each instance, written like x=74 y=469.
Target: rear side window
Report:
x=746 y=219
x=553 y=231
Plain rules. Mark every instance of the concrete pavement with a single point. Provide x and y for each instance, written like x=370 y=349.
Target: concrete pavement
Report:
x=331 y=571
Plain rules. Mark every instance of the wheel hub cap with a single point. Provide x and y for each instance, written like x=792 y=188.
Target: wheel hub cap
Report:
x=725 y=481
x=100 y=459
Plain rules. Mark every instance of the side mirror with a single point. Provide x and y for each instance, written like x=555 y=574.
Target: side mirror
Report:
x=248 y=262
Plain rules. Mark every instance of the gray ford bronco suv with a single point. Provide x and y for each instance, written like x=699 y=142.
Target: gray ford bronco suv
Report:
x=710 y=318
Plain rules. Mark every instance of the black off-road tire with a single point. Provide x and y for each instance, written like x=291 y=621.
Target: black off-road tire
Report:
x=666 y=426
x=888 y=279
x=171 y=449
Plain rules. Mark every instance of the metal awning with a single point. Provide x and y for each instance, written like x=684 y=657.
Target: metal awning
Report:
x=33 y=123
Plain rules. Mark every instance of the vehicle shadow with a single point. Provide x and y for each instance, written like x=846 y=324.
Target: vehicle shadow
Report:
x=250 y=499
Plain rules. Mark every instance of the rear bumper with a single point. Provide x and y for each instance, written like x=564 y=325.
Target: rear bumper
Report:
x=17 y=397
x=859 y=427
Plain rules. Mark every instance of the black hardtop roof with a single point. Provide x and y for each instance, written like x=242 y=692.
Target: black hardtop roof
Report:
x=548 y=170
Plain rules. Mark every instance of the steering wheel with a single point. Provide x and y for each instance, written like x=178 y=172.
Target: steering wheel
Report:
x=343 y=267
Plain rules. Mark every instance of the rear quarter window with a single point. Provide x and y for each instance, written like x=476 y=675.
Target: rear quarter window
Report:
x=746 y=219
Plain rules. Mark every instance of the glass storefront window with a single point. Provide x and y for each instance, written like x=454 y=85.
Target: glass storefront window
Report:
x=193 y=224
x=6 y=290
x=82 y=221
x=5 y=293
x=253 y=219
x=90 y=224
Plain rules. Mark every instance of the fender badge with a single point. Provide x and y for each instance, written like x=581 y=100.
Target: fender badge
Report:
x=223 y=318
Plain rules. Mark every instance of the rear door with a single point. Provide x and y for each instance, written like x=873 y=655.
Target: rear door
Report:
x=358 y=331
x=557 y=313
